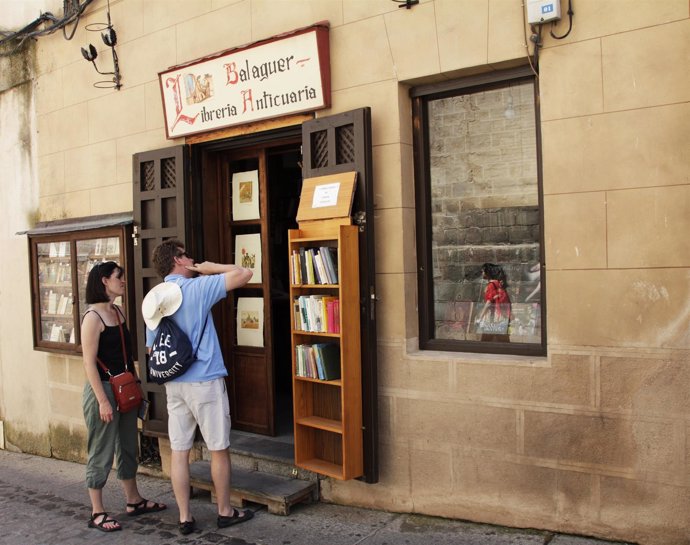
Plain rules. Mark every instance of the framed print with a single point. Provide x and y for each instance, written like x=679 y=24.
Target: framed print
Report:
x=250 y=321
x=245 y=195
x=248 y=254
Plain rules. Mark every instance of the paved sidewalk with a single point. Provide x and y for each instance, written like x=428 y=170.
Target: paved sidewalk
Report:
x=43 y=501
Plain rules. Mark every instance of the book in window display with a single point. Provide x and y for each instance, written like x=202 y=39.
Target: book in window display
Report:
x=248 y=255
x=245 y=195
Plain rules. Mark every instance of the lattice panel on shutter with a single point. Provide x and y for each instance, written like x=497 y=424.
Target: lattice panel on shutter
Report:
x=168 y=174
x=319 y=149
x=345 y=144
x=148 y=176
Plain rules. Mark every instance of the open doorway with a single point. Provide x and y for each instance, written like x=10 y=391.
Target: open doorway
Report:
x=259 y=381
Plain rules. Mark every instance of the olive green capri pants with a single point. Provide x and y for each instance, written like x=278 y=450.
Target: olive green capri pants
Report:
x=105 y=440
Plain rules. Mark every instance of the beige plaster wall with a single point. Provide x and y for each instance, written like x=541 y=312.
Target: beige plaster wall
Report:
x=592 y=439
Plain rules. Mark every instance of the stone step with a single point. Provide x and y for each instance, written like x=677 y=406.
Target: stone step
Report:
x=266 y=454
x=276 y=492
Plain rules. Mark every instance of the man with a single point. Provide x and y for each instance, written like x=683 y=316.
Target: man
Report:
x=199 y=396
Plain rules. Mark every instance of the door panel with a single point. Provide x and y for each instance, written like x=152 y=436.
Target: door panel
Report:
x=159 y=214
x=342 y=143
x=250 y=368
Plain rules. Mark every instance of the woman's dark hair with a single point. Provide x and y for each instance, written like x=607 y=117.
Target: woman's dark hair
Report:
x=495 y=272
x=95 y=289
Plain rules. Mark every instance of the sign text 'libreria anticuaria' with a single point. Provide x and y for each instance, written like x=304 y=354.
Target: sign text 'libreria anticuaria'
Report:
x=284 y=75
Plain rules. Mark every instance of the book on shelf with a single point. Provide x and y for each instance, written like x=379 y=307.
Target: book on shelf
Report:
x=303 y=265
x=52 y=302
x=328 y=354
x=56 y=334
x=328 y=257
x=318 y=361
x=296 y=268
x=323 y=274
x=316 y=313
x=62 y=304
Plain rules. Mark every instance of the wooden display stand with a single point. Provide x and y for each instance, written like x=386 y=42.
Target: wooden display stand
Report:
x=328 y=413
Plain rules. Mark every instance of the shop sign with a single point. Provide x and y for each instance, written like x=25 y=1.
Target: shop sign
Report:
x=283 y=75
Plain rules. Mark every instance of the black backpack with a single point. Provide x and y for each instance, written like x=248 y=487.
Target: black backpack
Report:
x=171 y=354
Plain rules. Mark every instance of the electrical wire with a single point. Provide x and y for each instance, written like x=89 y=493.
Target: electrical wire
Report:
x=570 y=22
x=33 y=30
x=536 y=44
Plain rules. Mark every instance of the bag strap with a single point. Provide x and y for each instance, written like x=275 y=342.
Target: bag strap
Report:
x=203 y=329
x=118 y=313
x=122 y=340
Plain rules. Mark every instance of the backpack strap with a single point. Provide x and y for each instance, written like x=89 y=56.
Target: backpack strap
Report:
x=203 y=330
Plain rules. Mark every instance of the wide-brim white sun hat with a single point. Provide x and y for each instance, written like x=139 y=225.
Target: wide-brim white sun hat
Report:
x=162 y=300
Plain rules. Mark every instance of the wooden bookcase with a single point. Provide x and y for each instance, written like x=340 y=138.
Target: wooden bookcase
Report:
x=328 y=413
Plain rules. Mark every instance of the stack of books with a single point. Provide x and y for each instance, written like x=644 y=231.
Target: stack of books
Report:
x=318 y=361
x=315 y=265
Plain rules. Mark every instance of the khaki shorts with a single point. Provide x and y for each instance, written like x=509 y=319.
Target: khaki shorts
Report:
x=202 y=403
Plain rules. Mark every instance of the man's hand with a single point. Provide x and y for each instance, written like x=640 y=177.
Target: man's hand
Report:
x=235 y=277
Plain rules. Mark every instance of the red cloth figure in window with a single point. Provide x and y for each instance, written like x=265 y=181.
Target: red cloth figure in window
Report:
x=494 y=318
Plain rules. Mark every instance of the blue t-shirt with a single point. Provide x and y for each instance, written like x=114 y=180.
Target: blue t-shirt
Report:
x=198 y=297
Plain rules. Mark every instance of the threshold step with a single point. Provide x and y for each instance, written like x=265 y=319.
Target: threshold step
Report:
x=277 y=493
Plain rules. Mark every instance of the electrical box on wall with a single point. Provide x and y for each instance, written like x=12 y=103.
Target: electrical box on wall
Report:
x=543 y=11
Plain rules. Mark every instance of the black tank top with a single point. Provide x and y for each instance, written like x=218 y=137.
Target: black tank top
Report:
x=110 y=348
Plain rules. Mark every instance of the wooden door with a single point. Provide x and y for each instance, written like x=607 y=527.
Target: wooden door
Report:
x=159 y=214
x=259 y=376
x=249 y=365
x=342 y=143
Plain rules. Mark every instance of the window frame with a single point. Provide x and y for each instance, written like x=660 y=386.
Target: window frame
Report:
x=35 y=237
x=420 y=97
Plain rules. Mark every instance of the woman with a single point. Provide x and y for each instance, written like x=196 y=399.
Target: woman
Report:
x=108 y=430
x=496 y=310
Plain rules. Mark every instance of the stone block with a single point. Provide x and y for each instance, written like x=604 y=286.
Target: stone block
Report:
x=644 y=313
x=396 y=307
x=653 y=512
x=462 y=33
x=404 y=34
x=572 y=243
x=568 y=381
x=647 y=386
x=431 y=471
x=518 y=488
x=469 y=425
x=649 y=144
x=506 y=39
x=66 y=402
x=649 y=220
x=116 y=115
x=570 y=80
x=647 y=67
x=606 y=441
x=347 y=48
x=89 y=167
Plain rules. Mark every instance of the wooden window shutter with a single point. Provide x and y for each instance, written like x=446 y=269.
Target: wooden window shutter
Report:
x=159 y=214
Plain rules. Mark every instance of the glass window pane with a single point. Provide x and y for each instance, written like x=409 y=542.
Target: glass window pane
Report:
x=485 y=218
x=55 y=289
x=90 y=252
